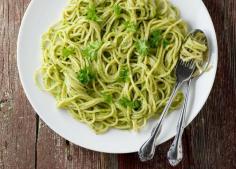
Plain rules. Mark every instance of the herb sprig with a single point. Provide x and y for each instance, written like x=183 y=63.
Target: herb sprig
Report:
x=92 y=13
x=157 y=39
x=107 y=97
x=117 y=10
x=90 y=52
x=127 y=103
x=66 y=52
x=142 y=47
x=86 y=75
x=124 y=74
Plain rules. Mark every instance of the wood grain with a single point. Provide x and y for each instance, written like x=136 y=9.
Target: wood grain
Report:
x=17 y=120
x=26 y=142
x=56 y=152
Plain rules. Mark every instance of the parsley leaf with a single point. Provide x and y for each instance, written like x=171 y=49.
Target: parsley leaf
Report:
x=66 y=52
x=136 y=104
x=142 y=47
x=125 y=102
x=155 y=38
x=165 y=43
x=124 y=74
x=85 y=75
x=90 y=52
x=92 y=13
x=117 y=10
x=107 y=97
x=130 y=26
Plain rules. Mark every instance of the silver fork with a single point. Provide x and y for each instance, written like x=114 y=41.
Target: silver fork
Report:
x=184 y=71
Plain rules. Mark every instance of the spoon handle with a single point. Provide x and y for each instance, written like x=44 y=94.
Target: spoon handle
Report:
x=175 y=153
x=147 y=150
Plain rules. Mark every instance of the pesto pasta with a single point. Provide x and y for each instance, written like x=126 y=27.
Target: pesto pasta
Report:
x=111 y=63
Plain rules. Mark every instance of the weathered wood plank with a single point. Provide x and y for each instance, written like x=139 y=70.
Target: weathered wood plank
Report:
x=17 y=120
x=57 y=153
x=215 y=128
x=128 y=161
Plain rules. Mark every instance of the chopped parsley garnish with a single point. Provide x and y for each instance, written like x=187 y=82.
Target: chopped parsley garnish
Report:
x=137 y=104
x=124 y=74
x=125 y=102
x=90 y=52
x=117 y=10
x=130 y=26
x=165 y=43
x=155 y=38
x=92 y=13
x=142 y=47
x=85 y=75
x=66 y=52
x=107 y=97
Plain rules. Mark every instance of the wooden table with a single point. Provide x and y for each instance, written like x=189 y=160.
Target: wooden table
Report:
x=27 y=143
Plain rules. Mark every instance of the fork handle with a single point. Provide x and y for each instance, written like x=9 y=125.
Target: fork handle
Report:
x=147 y=150
x=175 y=153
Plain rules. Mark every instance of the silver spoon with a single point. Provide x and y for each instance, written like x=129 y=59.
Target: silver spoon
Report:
x=175 y=153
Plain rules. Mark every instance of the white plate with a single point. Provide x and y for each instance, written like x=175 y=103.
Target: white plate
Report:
x=43 y=13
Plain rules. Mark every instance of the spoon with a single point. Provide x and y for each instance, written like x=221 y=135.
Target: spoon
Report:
x=175 y=153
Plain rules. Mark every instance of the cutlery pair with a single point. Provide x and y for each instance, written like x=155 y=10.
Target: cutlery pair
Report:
x=184 y=73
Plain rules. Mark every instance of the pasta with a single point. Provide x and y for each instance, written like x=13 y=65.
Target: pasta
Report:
x=195 y=48
x=110 y=63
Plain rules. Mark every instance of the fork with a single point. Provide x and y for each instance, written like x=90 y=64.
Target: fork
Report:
x=184 y=71
x=175 y=153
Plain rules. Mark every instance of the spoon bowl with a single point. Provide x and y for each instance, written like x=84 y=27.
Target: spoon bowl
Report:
x=200 y=36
